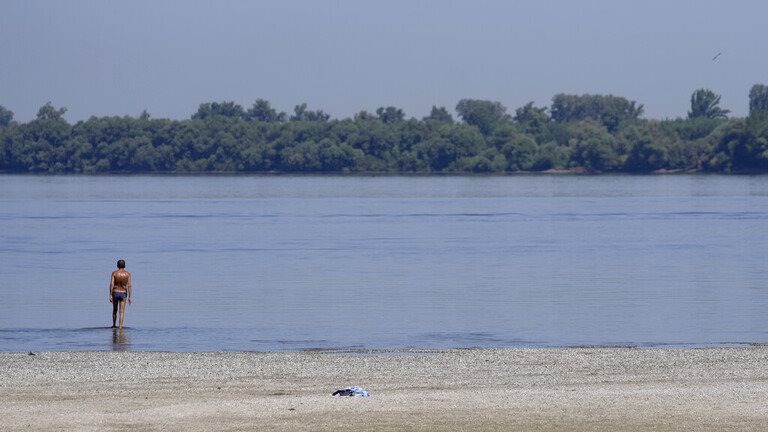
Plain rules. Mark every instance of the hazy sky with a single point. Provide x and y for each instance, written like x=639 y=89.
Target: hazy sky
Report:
x=116 y=58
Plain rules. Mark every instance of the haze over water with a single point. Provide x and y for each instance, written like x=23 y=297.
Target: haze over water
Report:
x=281 y=263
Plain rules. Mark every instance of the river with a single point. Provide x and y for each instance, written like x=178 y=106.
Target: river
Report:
x=271 y=263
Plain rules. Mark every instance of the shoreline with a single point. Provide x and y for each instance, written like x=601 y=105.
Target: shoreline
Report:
x=117 y=346
x=543 y=389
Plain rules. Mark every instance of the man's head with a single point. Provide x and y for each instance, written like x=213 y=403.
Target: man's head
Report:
x=121 y=264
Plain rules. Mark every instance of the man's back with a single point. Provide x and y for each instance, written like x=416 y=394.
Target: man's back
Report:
x=121 y=278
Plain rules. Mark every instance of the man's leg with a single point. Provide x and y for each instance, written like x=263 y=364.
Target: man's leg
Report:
x=114 y=311
x=122 y=311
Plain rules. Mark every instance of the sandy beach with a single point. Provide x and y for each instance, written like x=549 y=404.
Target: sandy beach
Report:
x=577 y=389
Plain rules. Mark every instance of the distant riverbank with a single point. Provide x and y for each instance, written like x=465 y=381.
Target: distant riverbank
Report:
x=586 y=133
x=553 y=171
x=482 y=389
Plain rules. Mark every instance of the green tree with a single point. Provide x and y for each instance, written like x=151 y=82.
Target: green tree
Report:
x=439 y=115
x=742 y=145
x=364 y=116
x=467 y=140
x=412 y=132
x=339 y=157
x=483 y=114
x=6 y=116
x=609 y=110
x=705 y=104
x=529 y=114
x=520 y=153
x=442 y=150
x=551 y=155
x=518 y=148
x=48 y=112
x=688 y=155
x=437 y=152
x=42 y=144
x=534 y=121
x=210 y=109
x=691 y=129
x=649 y=149
x=262 y=111
x=301 y=113
x=377 y=140
x=758 y=98
x=592 y=147
x=475 y=164
x=390 y=114
x=7 y=137
x=616 y=111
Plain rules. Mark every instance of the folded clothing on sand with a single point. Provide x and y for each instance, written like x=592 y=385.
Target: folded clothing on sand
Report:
x=351 y=391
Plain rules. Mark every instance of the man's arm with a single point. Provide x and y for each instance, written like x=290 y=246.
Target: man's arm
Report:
x=111 y=286
x=128 y=287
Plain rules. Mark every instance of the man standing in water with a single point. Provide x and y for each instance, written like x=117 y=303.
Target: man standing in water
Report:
x=119 y=291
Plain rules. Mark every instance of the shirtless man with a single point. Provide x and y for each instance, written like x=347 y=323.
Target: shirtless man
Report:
x=119 y=291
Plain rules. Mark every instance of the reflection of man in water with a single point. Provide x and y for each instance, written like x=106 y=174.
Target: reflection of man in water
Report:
x=120 y=340
x=119 y=291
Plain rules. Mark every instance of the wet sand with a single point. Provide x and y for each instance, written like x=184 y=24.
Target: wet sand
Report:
x=589 y=389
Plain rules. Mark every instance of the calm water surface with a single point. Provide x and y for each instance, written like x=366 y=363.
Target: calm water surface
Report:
x=286 y=263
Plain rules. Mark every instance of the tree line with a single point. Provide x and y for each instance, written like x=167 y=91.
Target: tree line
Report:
x=579 y=133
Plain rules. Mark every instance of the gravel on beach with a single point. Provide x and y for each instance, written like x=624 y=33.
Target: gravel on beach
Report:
x=573 y=389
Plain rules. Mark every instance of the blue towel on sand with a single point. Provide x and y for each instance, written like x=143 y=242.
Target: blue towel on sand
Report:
x=351 y=391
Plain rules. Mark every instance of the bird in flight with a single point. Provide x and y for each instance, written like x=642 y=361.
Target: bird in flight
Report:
x=715 y=57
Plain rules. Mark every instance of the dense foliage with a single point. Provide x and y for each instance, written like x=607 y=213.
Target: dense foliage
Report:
x=590 y=133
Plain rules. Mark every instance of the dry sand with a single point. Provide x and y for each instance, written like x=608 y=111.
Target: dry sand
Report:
x=590 y=389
